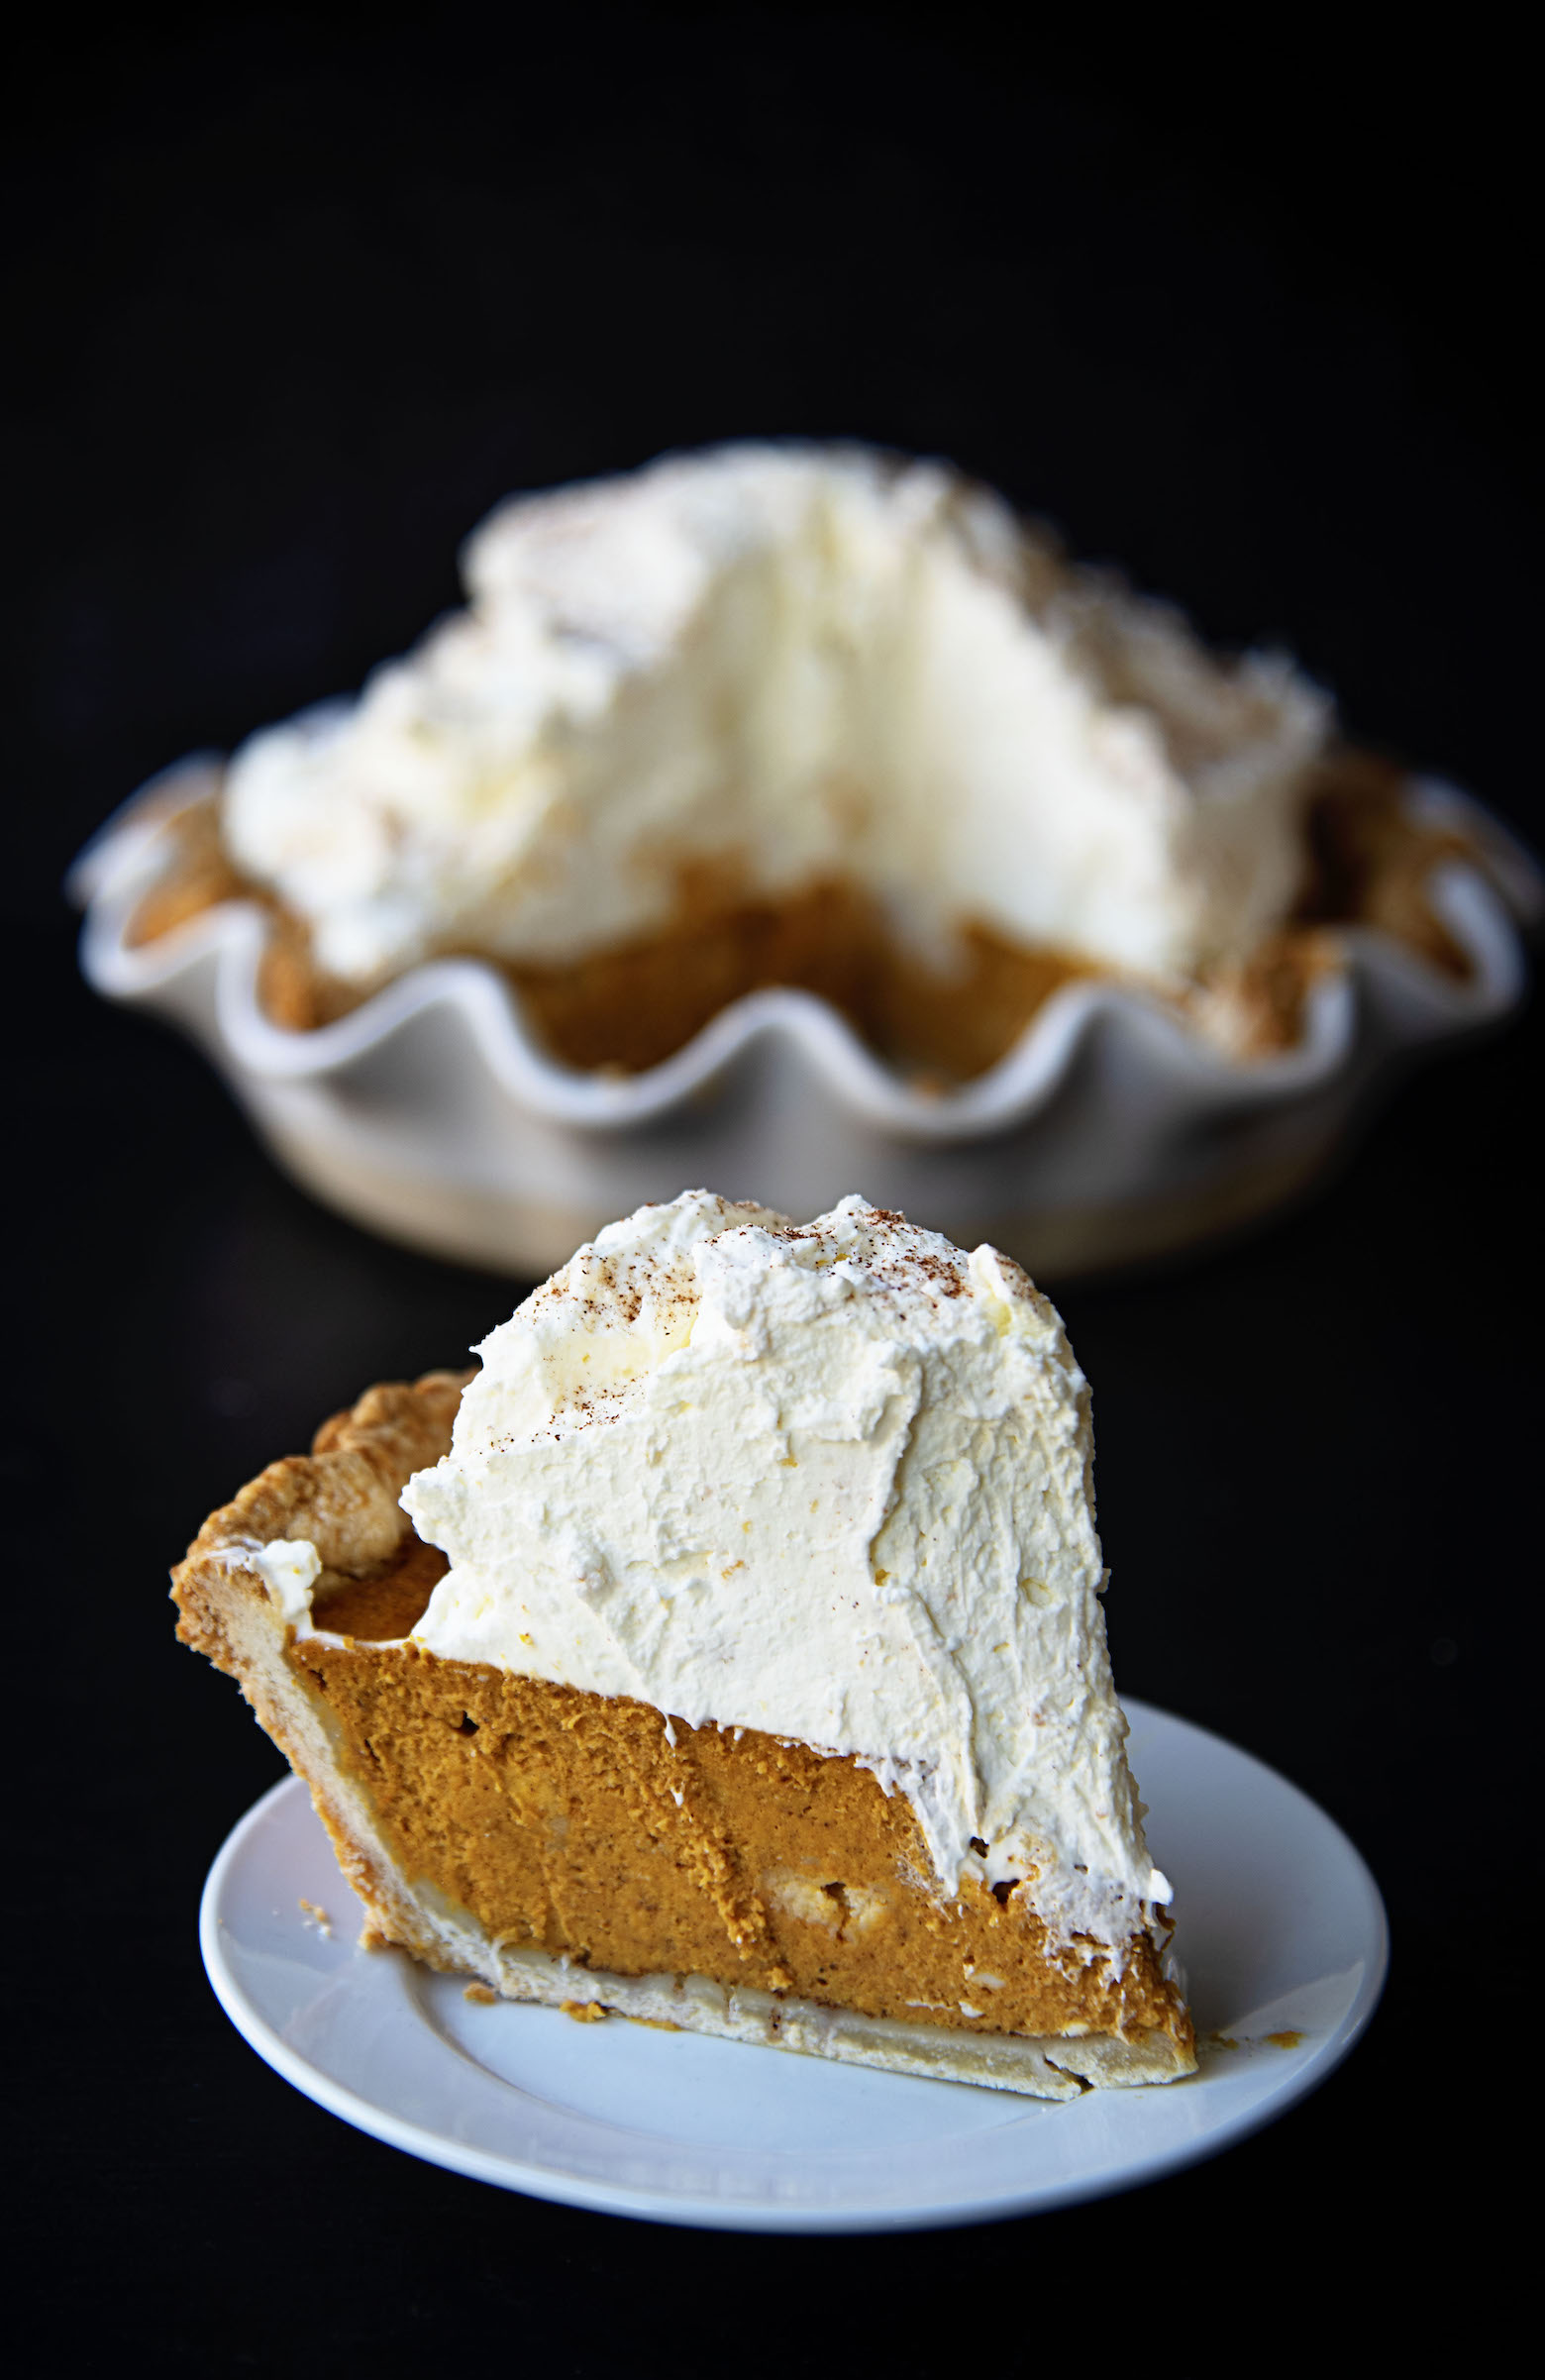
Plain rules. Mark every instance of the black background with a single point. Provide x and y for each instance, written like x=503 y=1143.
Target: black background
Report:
x=298 y=299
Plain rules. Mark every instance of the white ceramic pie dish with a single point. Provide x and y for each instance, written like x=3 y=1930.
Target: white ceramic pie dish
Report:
x=1112 y=1131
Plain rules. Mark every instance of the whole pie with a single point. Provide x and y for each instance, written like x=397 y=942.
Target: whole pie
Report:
x=820 y=718
x=727 y=1652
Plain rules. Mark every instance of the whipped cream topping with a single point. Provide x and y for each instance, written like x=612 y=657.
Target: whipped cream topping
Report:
x=830 y=1482
x=289 y=1568
x=791 y=664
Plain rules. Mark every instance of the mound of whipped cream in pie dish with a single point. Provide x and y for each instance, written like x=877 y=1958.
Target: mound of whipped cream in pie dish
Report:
x=818 y=717
x=727 y=1652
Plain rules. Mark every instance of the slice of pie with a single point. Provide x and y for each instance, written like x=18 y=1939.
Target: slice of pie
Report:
x=727 y=1652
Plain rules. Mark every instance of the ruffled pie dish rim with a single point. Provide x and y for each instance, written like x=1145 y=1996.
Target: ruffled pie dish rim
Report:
x=1483 y=904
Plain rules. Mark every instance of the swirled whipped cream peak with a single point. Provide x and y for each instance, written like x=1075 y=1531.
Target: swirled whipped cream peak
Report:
x=789 y=665
x=830 y=1481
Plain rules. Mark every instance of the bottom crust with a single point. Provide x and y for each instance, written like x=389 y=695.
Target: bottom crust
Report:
x=1037 y=2066
x=572 y=1848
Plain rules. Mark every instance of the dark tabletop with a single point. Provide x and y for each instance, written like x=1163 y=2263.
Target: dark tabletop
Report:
x=298 y=306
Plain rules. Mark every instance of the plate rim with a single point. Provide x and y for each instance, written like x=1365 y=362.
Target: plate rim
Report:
x=597 y=2196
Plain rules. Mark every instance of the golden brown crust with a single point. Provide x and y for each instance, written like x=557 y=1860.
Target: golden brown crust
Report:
x=198 y=875
x=487 y=1820
x=1371 y=863
x=344 y=1493
x=343 y=1497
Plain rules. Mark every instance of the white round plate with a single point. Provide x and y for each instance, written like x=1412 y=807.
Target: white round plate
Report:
x=1281 y=1931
